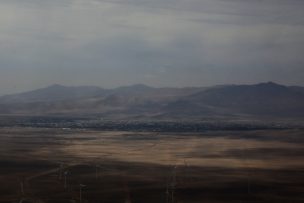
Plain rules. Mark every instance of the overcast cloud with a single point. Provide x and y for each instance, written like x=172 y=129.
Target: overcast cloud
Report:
x=110 y=43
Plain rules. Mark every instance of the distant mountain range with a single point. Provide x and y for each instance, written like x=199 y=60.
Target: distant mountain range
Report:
x=141 y=101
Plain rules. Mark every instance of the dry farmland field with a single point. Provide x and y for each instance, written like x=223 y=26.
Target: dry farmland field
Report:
x=77 y=165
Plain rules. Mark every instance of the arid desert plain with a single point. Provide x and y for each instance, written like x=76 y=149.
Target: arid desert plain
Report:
x=80 y=165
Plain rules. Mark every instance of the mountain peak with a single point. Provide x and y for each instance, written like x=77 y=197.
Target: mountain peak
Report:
x=141 y=86
x=55 y=86
x=136 y=87
x=270 y=83
x=270 y=86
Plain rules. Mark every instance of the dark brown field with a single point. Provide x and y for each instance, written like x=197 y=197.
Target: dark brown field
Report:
x=49 y=165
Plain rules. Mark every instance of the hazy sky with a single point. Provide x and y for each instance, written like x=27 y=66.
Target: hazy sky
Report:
x=110 y=43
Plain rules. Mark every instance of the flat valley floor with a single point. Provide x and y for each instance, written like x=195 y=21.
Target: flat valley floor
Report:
x=78 y=165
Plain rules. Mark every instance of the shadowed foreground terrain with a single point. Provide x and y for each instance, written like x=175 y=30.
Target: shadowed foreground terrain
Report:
x=53 y=165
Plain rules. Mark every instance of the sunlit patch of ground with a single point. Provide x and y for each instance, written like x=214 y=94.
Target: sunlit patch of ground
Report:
x=213 y=149
x=205 y=164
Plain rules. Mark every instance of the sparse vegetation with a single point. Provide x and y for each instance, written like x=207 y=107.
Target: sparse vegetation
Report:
x=214 y=166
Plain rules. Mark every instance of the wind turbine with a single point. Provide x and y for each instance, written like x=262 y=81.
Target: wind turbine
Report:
x=186 y=166
x=97 y=166
x=22 y=186
x=247 y=165
x=128 y=198
x=65 y=179
x=171 y=186
x=173 y=183
x=61 y=166
x=80 y=192
x=167 y=192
